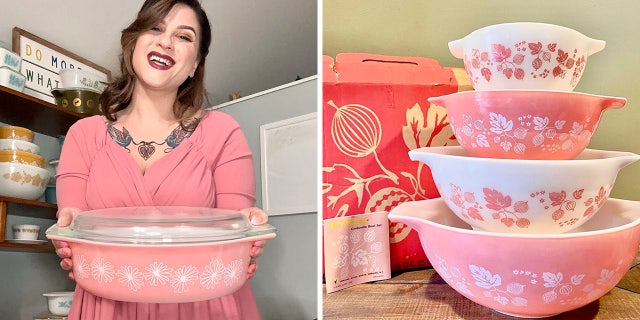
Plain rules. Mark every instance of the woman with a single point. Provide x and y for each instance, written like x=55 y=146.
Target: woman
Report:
x=156 y=146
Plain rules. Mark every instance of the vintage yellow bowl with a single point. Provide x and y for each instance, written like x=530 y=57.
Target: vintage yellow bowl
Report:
x=17 y=156
x=14 y=132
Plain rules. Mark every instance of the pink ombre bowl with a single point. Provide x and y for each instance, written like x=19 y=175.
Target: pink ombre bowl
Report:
x=523 y=196
x=525 y=55
x=525 y=124
x=161 y=254
x=532 y=275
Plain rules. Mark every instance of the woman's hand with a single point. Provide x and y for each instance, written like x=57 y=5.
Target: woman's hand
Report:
x=65 y=217
x=256 y=217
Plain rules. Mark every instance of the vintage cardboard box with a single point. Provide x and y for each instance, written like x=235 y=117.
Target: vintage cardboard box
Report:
x=374 y=111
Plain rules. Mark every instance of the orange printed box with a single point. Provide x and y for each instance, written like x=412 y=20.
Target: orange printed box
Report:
x=374 y=111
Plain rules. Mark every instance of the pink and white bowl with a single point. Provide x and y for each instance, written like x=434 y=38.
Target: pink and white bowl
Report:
x=161 y=254
x=527 y=275
x=525 y=55
x=523 y=196
x=525 y=124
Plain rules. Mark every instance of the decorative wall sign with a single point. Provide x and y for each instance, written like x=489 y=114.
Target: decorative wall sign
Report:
x=41 y=61
x=289 y=165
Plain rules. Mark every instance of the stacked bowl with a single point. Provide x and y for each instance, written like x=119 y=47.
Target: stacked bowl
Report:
x=10 y=75
x=523 y=202
x=80 y=90
x=22 y=168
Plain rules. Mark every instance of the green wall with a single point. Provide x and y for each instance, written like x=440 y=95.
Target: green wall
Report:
x=424 y=27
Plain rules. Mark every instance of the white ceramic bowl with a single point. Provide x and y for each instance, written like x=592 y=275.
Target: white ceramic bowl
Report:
x=25 y=231
x=20 y=145
x=59 y=302
x=22 y=181
x=10 y=59
x=527 y=275
x=525 y=55
x=82 y=79
x=523 y=196
x=12 y=79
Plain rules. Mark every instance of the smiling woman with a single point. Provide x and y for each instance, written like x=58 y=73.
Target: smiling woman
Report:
x=154 y=145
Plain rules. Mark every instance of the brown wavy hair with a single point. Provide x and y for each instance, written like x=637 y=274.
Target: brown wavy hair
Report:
x=191 y=93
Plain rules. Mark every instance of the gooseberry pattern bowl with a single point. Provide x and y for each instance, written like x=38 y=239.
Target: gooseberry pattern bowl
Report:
x=527 y=275
x=523 y=196
x=525 y=124
x=525 y=55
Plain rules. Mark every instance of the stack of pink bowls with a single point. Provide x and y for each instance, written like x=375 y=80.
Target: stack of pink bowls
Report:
x=524 y=224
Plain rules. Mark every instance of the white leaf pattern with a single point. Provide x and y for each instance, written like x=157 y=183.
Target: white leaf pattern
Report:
x=551 y=280
x=484 y=278
x=499 y=124
x=540 y=123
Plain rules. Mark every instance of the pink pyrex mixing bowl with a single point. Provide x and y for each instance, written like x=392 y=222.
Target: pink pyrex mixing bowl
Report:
x=532 y=275
x=523 y=196
x=525 y=124
x=161 y=254
x=525 y=55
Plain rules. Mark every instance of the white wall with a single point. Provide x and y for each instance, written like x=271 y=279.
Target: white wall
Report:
x=286 y=284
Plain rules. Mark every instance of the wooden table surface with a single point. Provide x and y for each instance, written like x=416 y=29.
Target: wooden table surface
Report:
x=423 y=294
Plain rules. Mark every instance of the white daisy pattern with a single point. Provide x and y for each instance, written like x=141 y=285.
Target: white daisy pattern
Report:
x=183 y=278
x=102 y=270
x=82 y=267
x=232 y=272
x=212 y=274
x=157 y=273
x=130 y=277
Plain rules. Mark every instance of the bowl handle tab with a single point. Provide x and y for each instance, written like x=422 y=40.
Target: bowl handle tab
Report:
x=455 y=47
x=612 y=102
x=406 y=213
x=595 y=46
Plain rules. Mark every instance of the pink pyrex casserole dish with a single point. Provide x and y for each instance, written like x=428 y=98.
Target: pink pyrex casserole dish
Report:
x=161 y=254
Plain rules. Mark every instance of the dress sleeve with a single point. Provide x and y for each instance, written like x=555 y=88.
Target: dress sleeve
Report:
x=73 y=170
x=233 y=173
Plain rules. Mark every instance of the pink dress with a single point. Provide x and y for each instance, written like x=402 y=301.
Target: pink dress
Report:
x=211 y=168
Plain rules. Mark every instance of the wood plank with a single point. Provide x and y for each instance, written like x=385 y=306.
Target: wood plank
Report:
x=424 y=276
x=631 y=280
x=420 y=301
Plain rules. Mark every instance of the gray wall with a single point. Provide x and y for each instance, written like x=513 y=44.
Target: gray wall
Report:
x=286 y=284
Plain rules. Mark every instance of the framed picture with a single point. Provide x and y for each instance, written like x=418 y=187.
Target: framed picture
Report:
x=289 y=165
x=42 y=60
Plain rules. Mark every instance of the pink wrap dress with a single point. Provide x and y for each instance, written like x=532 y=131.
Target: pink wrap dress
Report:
x=211 y=168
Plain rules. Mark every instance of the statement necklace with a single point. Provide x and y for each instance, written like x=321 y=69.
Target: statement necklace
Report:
x=147 y=148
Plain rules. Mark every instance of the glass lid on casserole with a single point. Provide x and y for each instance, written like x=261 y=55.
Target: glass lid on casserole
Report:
x=163 y=225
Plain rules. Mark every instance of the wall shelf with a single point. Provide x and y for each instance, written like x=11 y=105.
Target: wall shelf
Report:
x=20 y=109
